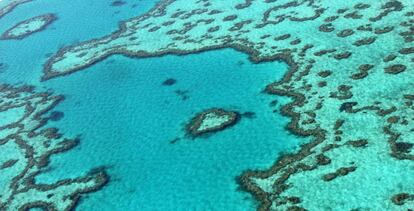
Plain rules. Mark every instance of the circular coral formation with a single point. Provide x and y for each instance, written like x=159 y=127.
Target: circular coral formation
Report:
x=211 y=120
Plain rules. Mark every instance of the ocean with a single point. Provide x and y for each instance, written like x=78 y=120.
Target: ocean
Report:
x=127 y=119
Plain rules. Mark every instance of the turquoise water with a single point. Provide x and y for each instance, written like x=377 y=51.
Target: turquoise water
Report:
x=127 y=119
x=77 y=21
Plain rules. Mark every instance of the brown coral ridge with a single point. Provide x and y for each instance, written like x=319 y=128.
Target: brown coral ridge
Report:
x=47 y=68
x=47 y=18
x=193 y=127
x=36 y=145
x=338 y=173
x=48 y=74
x=158 y=11
x=287 y=110
x=399 y=150
x=245 y=180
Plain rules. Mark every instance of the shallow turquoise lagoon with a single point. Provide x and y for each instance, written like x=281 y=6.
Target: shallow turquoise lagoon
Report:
x=134 y=126
x=127 y=121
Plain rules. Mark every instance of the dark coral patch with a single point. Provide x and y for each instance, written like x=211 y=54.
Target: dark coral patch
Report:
x=169 y=82
x=401 y=198
x=403 y=147
x=118 y=3
x=347 y=106
x=395 y=69
x=8 y=164
x=56 y=115
x=249 y=115
x=339 y=173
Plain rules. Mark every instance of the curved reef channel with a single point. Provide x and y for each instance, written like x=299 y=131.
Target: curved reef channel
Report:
x=350 y=78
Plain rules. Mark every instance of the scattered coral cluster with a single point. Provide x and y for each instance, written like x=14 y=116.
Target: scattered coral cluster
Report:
x=26 y=146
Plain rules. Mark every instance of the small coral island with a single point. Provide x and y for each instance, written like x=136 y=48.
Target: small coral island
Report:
x=211 y=120
x=28 y=27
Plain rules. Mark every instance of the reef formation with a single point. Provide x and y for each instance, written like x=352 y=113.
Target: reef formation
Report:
x=28 y=27
x=350 y=79
x=26 y=146
x=10 y=5
x=211 y=120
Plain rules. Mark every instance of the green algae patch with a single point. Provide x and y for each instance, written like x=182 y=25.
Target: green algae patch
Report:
x=211 y=120
x=28 y=27
x=350 y=79
x=26 y=147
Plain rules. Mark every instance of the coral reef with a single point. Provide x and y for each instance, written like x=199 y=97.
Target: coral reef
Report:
x=26 y=146
x=28 y=27
x=10 y=5
x=211 y=120
x=349 y=78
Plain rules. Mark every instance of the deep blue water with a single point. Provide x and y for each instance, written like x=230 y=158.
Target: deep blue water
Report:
x=127 y=119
